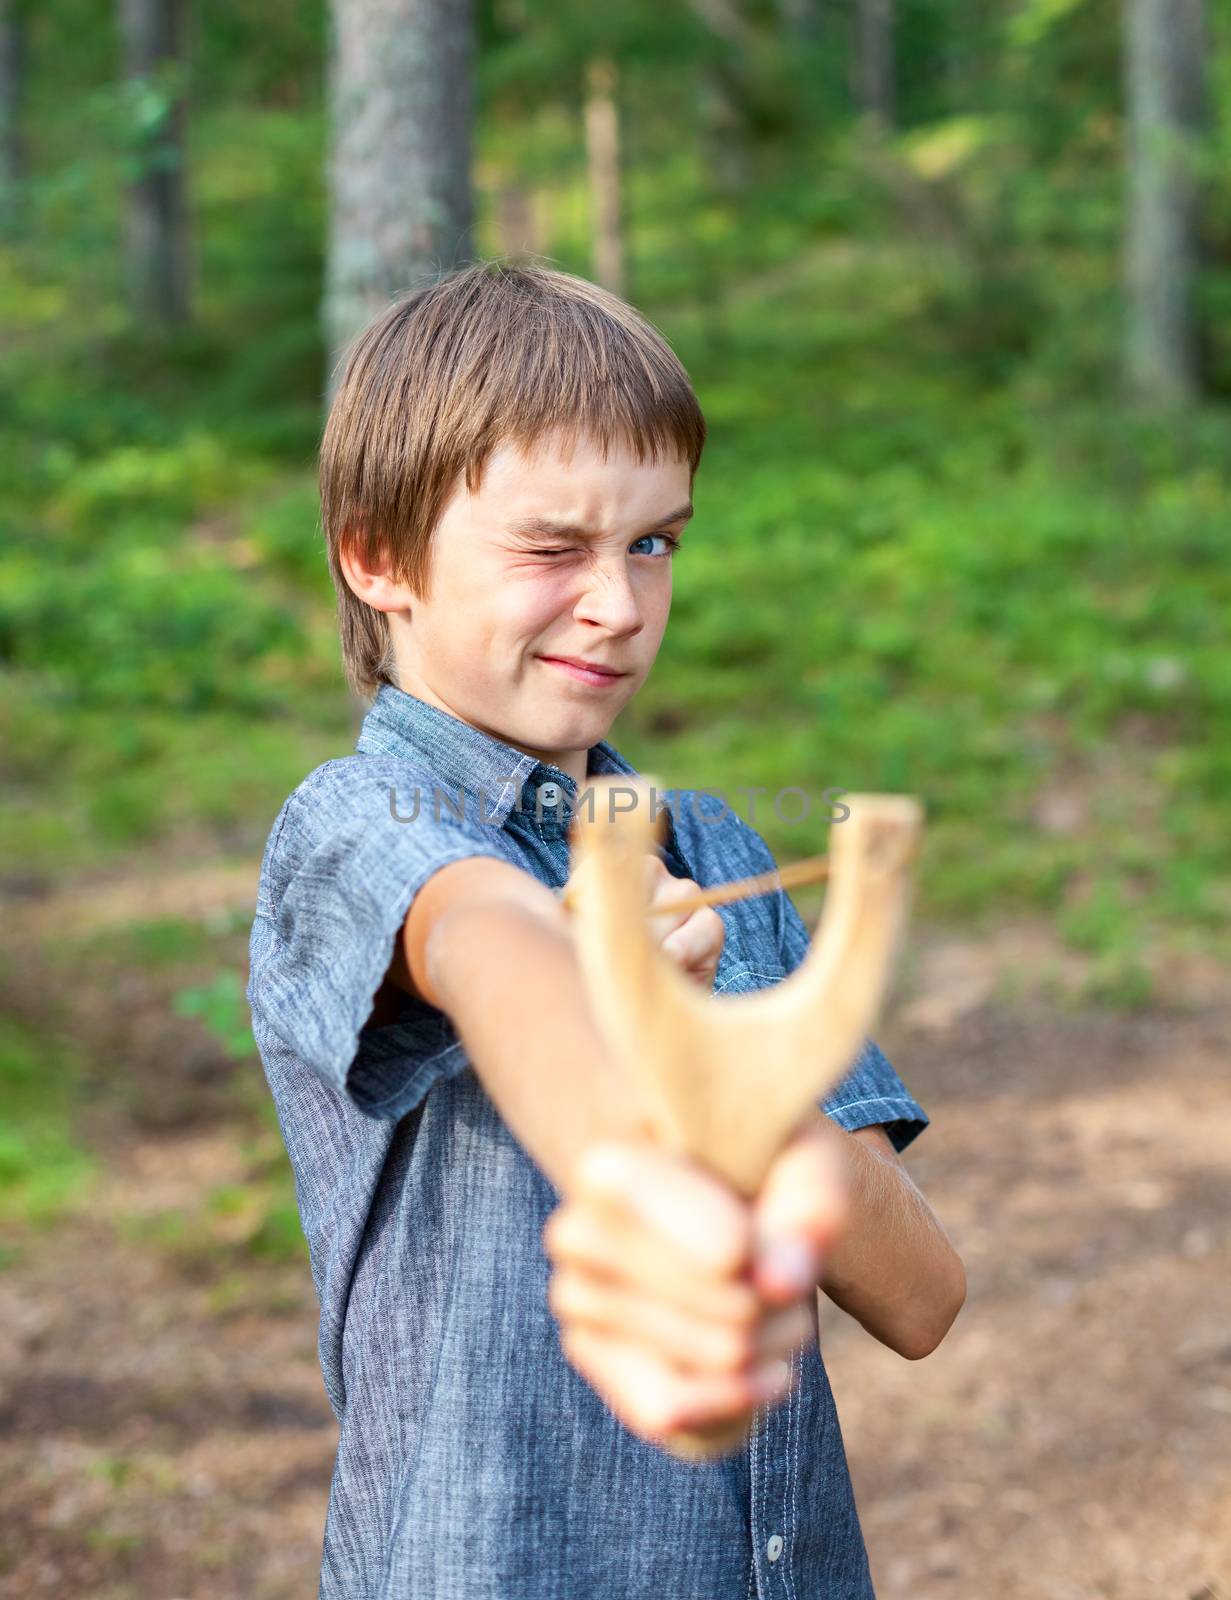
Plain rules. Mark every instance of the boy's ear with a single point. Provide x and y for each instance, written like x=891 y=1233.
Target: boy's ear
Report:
x=368 y=575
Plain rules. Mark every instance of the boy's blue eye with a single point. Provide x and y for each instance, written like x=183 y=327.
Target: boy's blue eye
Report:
x=673 y=544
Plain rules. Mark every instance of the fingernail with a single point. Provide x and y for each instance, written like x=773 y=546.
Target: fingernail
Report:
x=602 y=1166
x=771 y=1378
x=791 y=1260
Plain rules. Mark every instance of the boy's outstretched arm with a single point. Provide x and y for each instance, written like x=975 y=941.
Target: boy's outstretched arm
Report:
x=488 y=944
x=491 y=946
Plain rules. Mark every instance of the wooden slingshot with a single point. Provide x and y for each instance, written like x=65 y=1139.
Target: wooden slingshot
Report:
x=728 y=1079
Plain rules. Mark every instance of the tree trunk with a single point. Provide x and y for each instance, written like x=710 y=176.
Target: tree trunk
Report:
x=874 y=69
x=724 y=129
x=13 y=63
x=157 y=270
x=1166 y=103
x=517 y=219
x=401 y=204
x=603 y=164
x=800 y=21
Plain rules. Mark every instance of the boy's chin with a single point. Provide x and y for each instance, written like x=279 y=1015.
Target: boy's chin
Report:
x=554 y=729
x=577 y=734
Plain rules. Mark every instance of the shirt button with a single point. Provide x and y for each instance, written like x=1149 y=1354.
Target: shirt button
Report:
x=773 y=1548
x=549 y=794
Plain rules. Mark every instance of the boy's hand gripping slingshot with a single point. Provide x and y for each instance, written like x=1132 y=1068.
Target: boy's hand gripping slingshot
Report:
x=691 y=1055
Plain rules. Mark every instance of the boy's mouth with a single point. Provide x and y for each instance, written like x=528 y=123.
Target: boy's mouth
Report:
x=585 y=671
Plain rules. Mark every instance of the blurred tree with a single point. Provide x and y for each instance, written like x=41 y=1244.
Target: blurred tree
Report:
x=874 y=66
x=760 y=77
x=517 y=217
x=603 y=164
x=401 y=205
x=725 y=93
x=13 y=62
x=1165 y=49
x=801 y=20
x=560 y=78
x=268 y=55
x=156 y=215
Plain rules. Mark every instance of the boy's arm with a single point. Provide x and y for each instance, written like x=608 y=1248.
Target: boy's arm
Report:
x=490 y=945
x=892 y=1267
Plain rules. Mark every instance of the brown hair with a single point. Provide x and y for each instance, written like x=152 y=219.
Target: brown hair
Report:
x=490 y=353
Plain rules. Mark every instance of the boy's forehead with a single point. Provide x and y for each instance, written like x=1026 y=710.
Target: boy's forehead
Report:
x=561 y=475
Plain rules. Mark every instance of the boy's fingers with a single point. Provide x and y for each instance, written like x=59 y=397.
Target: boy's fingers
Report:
x=805 y=1190
x=606 y=1242
x=651 y=1397
x=672 y=1332
x=661 y=885
x=799 y=1212
x=665 y=887
x=692 y=939
x=698 y=938
x=669 y=1195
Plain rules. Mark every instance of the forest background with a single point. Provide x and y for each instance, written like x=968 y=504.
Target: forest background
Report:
x=952 y=279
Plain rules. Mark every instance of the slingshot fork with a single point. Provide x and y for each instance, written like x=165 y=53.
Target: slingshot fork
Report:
x=727 y=1079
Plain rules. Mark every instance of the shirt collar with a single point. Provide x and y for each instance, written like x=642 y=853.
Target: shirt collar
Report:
x=464 y=757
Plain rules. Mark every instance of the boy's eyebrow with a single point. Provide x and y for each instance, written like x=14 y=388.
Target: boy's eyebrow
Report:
x=549 y=527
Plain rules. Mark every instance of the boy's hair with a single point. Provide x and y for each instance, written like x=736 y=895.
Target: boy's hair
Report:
x=494 y=352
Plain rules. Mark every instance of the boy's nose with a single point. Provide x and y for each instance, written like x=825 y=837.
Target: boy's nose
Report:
x=608 y=598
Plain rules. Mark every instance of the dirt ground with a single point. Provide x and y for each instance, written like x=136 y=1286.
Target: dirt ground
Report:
x=1071 y=1438
x=164 y=1434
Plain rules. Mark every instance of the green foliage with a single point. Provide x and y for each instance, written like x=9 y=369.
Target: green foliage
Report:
x=909 y=580
x=164 y=942
x=222 y=1008
x=234 y=1228
x=43 y=1170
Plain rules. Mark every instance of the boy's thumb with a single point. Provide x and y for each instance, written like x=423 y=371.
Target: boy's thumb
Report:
x=800 y=1209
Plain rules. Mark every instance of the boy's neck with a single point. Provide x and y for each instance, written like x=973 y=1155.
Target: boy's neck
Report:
x=575 y=763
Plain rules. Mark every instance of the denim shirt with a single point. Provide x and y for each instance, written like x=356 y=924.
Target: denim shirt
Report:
x=473 y=1462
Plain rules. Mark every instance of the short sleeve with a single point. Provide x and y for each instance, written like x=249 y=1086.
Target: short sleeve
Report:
x=336 y=884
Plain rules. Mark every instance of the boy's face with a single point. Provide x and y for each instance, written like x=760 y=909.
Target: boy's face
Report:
x=555 y=557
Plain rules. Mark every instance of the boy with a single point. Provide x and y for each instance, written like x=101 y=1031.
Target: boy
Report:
x=506 y=472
